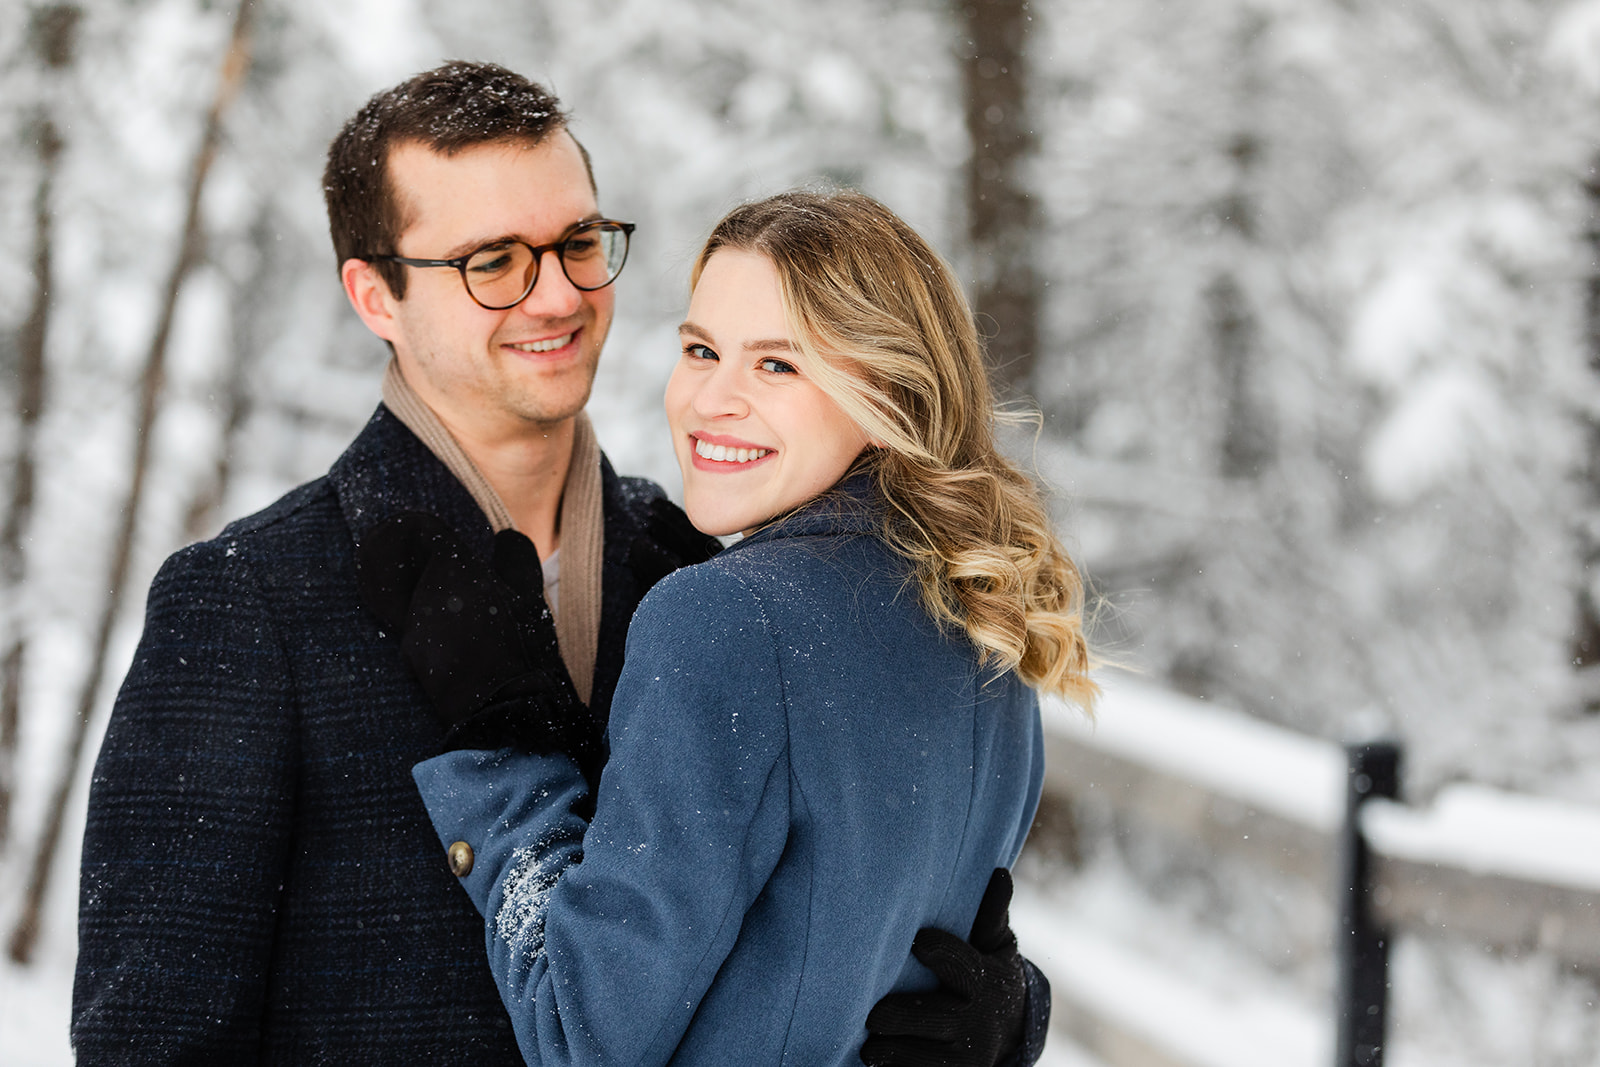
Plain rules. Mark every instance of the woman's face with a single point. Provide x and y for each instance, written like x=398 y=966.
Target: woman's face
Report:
x=754 y=434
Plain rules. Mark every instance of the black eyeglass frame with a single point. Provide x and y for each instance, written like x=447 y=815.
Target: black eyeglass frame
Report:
x=538 y=251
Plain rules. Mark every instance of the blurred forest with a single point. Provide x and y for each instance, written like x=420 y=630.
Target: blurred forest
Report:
x=1307 y=293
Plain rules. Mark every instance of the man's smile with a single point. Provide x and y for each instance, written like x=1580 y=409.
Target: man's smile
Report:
x=544 y=346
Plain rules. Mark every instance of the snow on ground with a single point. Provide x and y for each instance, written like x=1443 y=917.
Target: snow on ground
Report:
x=1239 y=1018
x=36 y=1001
x=1169 y=990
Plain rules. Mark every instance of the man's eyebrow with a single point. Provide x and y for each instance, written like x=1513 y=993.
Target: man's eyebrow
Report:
x=470 y=246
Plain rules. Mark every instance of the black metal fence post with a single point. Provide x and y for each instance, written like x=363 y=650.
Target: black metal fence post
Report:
x=1362 y=945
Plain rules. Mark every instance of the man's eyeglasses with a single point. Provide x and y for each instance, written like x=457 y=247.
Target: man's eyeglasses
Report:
x=502 y=274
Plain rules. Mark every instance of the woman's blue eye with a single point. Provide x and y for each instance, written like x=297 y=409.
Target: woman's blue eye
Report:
x=777 y=366
x=698 y=351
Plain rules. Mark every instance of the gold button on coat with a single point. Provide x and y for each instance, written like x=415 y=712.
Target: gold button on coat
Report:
x=460 y=855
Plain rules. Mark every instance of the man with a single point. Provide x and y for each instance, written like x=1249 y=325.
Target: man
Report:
x=260 y=881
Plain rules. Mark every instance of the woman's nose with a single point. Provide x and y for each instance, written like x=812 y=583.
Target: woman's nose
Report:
x=721 y=394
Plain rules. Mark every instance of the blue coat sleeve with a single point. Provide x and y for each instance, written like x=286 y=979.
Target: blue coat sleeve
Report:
x=604 y=938
x=188 y=827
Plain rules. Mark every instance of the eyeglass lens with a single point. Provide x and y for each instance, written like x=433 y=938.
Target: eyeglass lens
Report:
x=502 y=275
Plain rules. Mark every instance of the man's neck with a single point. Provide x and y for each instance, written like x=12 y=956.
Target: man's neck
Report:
x=527 y=466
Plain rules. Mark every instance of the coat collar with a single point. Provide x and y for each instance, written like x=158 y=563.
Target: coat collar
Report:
x=852 y=507
x=387 y=470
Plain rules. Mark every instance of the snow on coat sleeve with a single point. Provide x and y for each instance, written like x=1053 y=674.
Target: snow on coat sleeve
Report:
x=604 y=939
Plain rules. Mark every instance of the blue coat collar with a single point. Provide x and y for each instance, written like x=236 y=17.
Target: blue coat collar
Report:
x=851 y=507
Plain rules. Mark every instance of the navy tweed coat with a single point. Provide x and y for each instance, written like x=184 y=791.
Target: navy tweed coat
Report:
x=260 y=882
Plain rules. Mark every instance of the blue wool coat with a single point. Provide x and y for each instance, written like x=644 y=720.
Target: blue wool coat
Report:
x=260 y=883
x=804 y=770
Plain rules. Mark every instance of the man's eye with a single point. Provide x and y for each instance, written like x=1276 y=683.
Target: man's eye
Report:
x=698 y=351
x=777 y=366
x=578 y=247
x=490 y=263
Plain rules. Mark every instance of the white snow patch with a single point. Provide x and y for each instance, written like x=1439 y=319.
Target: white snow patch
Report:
x=1572 y=46
x=836 y=88
x=1234 y=1022
x=383 y=40
x=520 y=920
x=1519 y=230
x=1429 y=436
x=1398 y=324
x=1491 y=832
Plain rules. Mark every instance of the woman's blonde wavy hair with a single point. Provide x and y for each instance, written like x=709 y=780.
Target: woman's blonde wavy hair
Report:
x=887 y=334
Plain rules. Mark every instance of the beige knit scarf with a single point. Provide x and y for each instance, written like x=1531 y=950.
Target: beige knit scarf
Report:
x=581 y=522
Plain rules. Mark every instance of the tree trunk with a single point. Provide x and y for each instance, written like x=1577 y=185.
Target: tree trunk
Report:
x=30 y=402
x=235 y=64
x=1247 y=444
x=52 y=33
x=1247 y=433
x=1586 y=632
x=255 y=300
x=1001 y=216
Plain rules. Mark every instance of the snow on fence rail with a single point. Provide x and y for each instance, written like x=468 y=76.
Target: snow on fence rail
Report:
x=1504 y=870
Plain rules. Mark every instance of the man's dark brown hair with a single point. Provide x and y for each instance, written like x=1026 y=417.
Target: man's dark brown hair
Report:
x=456 y=106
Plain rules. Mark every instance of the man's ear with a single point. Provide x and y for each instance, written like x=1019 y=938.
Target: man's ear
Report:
x=369 y=294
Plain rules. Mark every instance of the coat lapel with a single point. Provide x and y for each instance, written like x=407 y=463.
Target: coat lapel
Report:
x=387 y=470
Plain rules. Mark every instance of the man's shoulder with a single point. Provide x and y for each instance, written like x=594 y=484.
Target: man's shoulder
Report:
x=303 y=523
x=314 y=502
x=629 y=497
x=647 y=532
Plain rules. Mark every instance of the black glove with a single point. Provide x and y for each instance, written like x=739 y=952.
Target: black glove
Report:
x=479 y=637
x=670 y=541
x=975 y=1017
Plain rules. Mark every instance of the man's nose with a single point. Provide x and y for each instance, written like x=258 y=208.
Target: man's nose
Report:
x=553 y=295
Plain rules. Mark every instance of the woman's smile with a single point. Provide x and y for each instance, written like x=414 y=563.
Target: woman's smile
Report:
x=725 y=455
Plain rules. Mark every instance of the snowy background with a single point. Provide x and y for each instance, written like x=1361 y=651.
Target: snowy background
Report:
x=1317 y=330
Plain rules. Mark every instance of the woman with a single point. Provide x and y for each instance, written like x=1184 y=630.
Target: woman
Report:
x=824 y=738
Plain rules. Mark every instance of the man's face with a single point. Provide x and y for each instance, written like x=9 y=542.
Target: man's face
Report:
x=497 y=372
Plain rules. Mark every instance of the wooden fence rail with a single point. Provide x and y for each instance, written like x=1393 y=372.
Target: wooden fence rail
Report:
x=1508 y=871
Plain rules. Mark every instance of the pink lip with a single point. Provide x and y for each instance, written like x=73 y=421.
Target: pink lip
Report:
x=724 y=440
x=713 y=466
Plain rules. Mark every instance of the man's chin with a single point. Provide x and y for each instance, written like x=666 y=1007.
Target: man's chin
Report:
x=547 y=412
x=552 y=401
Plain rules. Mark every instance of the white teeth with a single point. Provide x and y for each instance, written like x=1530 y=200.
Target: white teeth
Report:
x=544 y=346
x=724 y=454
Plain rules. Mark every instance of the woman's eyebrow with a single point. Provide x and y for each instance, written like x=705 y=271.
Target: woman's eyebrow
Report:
x=776 y=344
